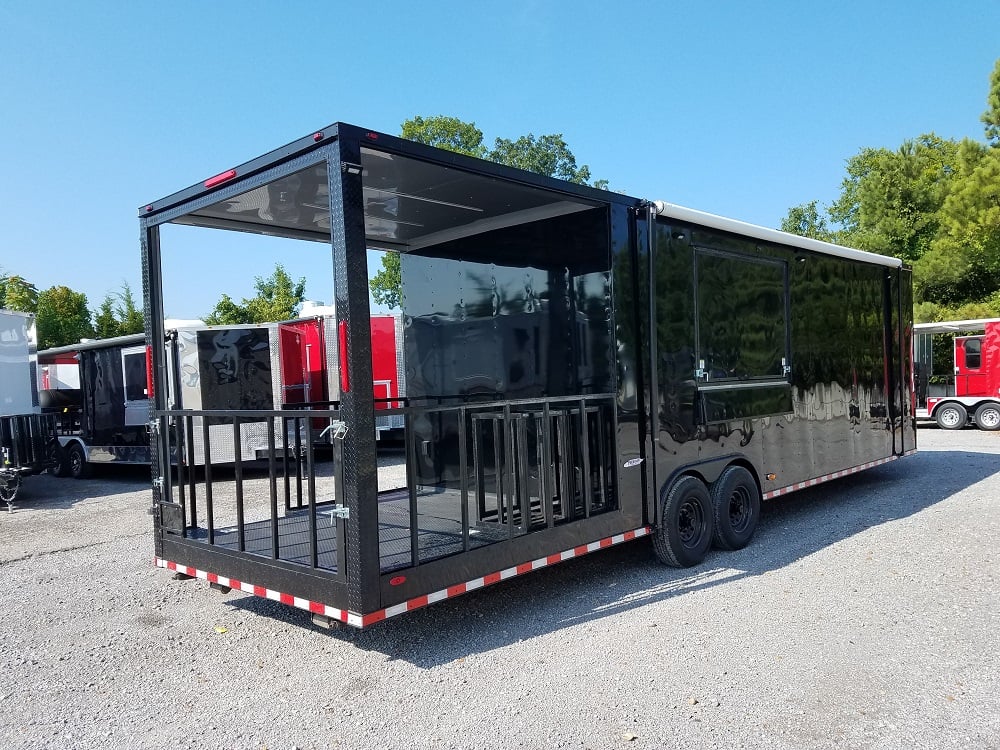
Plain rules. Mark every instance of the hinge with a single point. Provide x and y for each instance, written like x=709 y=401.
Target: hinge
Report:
x=153 y=425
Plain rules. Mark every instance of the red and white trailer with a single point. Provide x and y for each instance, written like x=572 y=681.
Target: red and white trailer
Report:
x=313 y=375
x=974 y=395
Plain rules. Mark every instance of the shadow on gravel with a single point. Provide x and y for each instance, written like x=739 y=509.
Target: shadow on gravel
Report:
x=602 y=584
x=49 y=492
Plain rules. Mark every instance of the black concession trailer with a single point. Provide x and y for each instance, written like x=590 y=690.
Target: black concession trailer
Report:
x=583 y=368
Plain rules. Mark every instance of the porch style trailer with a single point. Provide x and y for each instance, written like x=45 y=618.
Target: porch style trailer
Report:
x=971 y=394
x=27 y=437
x=583 y=368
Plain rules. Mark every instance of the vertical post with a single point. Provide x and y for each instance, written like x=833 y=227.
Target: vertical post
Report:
x=152 y=296
x=347 y=229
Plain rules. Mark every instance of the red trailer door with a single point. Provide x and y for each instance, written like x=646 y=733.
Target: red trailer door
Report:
x=970 y=376
x=302 y=362
x=385 y=375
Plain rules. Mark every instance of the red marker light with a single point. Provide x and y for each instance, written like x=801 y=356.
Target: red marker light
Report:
x=220 y=178
x=397 y=580
x=317 y=137
x=371 y=136
x=345 y=377
x=149 y=208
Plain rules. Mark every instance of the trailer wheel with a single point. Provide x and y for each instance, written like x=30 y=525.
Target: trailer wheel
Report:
x=988 y=417
x=735 y=508
x=76 y=458
x=61 y=457
x=951 y=416
x=685 y=530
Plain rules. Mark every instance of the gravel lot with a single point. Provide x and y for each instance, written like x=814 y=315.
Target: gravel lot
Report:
x=866 y=614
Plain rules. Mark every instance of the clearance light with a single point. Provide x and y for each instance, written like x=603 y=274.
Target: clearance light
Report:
x=211 y=182
x=397 y=580
x=345 y=377
x=371 y=136
x=317 y=137
x=771 y=477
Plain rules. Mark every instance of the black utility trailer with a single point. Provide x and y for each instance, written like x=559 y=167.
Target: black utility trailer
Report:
x=583 y=368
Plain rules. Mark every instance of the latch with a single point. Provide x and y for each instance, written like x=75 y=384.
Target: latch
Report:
x=786 y=369
x=700 y=373
x=336 y=428
x=338 y=511
x=153 y=426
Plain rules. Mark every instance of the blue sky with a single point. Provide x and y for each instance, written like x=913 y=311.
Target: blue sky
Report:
x=740 y=109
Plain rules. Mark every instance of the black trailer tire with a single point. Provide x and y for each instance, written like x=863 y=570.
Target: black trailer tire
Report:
x=951 y=416
x=76 y=458
x=735 y=508
x=61 y=456
x=684 y=534
x=988 y=417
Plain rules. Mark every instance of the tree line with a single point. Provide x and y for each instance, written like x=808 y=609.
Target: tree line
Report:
x=62 y=316
x=932 y=202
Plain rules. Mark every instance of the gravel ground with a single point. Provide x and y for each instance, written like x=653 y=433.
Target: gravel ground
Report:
x=866 y=614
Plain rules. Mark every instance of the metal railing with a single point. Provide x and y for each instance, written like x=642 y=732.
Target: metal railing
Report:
x=268 y=484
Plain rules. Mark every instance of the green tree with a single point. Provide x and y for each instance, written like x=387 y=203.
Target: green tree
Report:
x=117 y=315
x=62 y=317
x=963 y=265
x=448 y=133
x=16 y=293
x=991 y=117
x=805 y=220
x=547 y=155
x=890 y=199
x=278 y=298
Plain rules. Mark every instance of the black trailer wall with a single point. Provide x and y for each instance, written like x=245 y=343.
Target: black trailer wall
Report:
x=783 y=356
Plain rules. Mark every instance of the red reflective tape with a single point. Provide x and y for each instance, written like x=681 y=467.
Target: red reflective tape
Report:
x=553 y=559
x=491 y=578
x=605 y=543
x=234 y=584
x=260 y=591
x=581 y=550
x=458 y=589
x=286 y=599
x=417 y=603
x=212 y=578
x=372 y=618
x=317 y=608
x=524 y=568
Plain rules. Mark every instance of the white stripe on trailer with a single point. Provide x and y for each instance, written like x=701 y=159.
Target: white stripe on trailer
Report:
x=693 y=216
x=360 y=621
x=835 y=475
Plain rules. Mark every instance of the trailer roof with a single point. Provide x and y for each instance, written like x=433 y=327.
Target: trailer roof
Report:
x=713 y=221
x=416 y=196
x=133 y=339
x=954 y=326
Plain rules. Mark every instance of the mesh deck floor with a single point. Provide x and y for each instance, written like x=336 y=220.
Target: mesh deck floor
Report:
x=439 y=532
